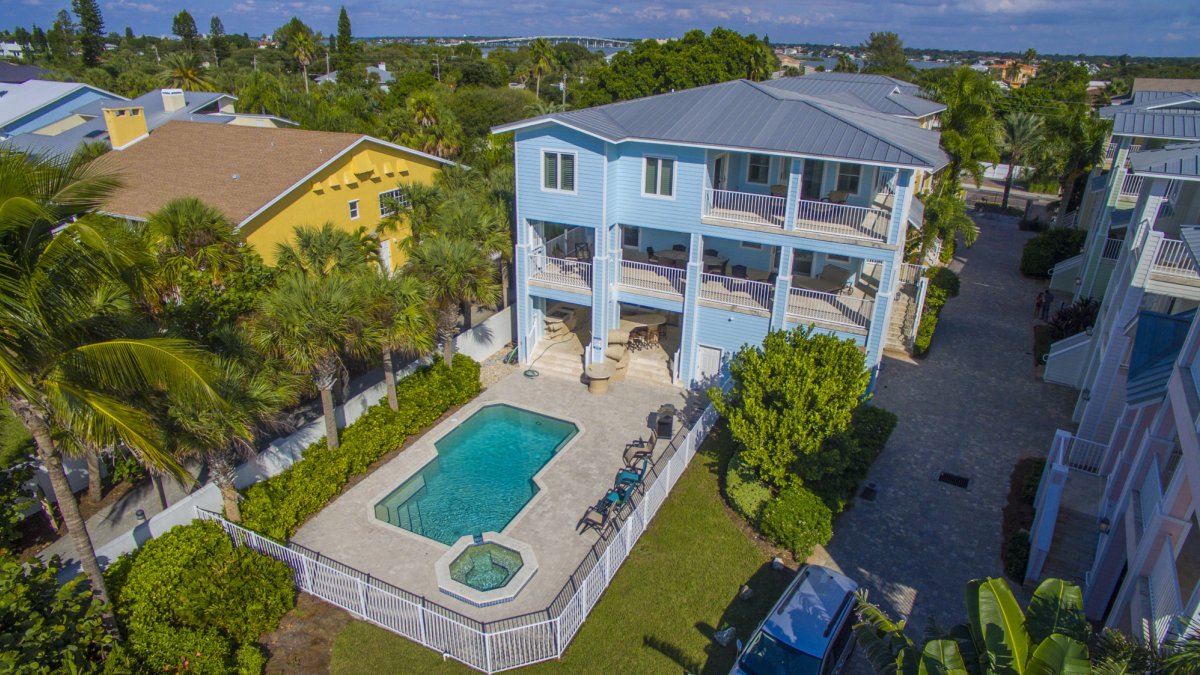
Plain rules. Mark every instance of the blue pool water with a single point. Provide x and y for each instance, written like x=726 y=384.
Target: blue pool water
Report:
x=482 y=476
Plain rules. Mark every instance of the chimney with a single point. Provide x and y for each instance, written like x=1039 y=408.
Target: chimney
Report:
x=126 y=126
x=383 y=66
x=173 y=99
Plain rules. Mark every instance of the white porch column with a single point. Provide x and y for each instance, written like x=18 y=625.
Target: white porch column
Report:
x=795 y=180
x=602 y=294
x=783 y=285
x=524 y=317
x=691 y=301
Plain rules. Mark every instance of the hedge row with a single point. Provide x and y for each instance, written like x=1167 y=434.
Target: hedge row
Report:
x=1049 y=248
x=943 y=285
x=276 y=507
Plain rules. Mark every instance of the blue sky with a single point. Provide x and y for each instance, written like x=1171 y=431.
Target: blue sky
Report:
x=1140 y=27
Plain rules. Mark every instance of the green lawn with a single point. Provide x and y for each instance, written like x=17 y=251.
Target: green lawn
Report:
x=15 y=441
x=677 y=587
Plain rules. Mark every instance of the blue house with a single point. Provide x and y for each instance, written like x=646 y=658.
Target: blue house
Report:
x=659 y=235
x=36 y=105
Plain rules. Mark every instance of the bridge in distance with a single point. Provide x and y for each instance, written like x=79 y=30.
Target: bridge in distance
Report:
x=589 y=42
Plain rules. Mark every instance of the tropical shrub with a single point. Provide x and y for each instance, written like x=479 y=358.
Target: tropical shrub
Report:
x=788 y=396
x=276 y=507
x=745 y=492
x=1074 y=318
x=190 y=600
x=943 y=285
x=1016 y=555
x=798 y=520
x=1050 y=248
x=46 y=627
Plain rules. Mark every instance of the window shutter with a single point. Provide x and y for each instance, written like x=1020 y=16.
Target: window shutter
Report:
x=567 y=166
x=550 y=171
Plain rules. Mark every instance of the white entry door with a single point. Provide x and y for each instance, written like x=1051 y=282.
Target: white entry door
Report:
x=708 y=365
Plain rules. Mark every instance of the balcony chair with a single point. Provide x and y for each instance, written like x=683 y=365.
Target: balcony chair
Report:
x=635 y=473
x=650 y=255
x=582 y=251
x=596 y=517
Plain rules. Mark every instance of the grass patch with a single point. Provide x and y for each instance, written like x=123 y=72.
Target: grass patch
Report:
x=15 y=441
x=678 y=586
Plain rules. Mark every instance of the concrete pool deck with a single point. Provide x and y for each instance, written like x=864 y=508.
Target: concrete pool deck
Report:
x=575 y=478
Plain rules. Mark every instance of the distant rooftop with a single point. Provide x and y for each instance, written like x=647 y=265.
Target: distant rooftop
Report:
x=1170 y=115
x=757 y=116
x=19 y=99
x=15 y=73
x=1164 y=84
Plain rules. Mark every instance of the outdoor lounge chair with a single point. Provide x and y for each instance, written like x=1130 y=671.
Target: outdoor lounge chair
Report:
x=596 y=517
x=634 y=473
x=642 y=447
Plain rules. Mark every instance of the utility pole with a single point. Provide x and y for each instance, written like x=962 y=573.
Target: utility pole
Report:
x=564 y=88
x=156 y=59
x=437 y=64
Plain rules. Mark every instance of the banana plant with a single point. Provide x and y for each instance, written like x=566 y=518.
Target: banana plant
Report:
x=1049 y=638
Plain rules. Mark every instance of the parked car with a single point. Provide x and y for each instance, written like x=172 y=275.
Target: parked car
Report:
x=810 y=631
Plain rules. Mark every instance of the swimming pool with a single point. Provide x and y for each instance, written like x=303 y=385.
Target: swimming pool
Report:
x=482 y=475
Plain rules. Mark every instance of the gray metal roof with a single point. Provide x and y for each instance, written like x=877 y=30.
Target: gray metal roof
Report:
x=758 y=117
x=1176 y=161
x=882 y=94
x=16 y=72
x=1172 y=115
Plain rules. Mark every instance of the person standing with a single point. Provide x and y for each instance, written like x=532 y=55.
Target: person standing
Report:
x=1047 y=305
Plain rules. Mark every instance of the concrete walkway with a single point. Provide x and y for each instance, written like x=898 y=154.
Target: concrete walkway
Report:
x=973 y=408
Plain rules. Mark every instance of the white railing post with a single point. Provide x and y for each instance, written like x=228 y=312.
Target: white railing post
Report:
x=421 y=622
x=362 y=597
x=308 y=586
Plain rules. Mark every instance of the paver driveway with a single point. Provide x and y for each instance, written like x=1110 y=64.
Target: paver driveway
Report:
x=973 y=408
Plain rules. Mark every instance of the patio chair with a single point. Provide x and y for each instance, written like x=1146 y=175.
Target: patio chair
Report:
x=625 y=490
x=644 y=445
x=650 y=255
x=635 y=473
x=596 y=517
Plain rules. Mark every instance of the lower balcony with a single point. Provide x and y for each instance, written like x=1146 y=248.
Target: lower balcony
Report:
x=844 y=311
x=657 y=279
x=560 y=272
x=745 y=294
x=843 y=220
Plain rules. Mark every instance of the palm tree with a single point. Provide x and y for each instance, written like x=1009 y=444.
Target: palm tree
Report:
x=188 y=236
x=401 y=315
x=416 y=209
x=761 y=60
x=325 y=250
x=66 y=366
x=456 y=273
x=1049 y=637
x=309 y=322
x=473 y=217
x=182 y=70
x=968 y=125
x=430 y=127
x=304 y=49
x=540 y=107
x=541 y=55
x=259 y=92
x=1022 y=135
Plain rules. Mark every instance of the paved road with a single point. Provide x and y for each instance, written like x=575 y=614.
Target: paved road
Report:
x=971 y=408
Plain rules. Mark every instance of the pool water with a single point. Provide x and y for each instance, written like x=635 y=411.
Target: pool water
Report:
x=482 y=475
x=485 y=567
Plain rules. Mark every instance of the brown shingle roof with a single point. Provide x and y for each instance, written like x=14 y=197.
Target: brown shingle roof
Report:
x=1165 y=84
x=233 y=168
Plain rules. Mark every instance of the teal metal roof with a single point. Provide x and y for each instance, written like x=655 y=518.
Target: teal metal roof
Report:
x=1156 y=345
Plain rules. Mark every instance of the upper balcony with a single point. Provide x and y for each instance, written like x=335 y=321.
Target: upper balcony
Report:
x=844 y=201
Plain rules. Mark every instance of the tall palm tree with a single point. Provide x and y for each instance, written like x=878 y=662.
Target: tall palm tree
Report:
x=430 y=127
x=540 y=107
x=188 y=236
x=456 y=273
x=401 y=315
x=416 y=209
x=325 y=250
x=183 y=70
x=258 y=92
x=309 y=322
x=304 y=49
x=968 y=125
x=1023 y=133
x=475 y=217
x=541 y=55
x=66 y=366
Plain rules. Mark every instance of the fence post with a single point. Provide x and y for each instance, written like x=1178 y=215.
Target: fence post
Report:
x=307 y=578
x=558 y=649
x=421 y=621
x=362 y=597
x=487 y=651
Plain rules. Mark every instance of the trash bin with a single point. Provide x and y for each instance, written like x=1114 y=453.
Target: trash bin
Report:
x=666 y=422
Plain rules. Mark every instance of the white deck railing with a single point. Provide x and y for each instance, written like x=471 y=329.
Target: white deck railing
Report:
x=574 y=273
x=1112 y=249
x=652 y=277
x=830 y=308
x=911 y=274
x=1131 y=185
x=1085 y=455
x=1172 y=257
x=844 y=220
x=736 y=292
x=486 y=646
x=744 y=207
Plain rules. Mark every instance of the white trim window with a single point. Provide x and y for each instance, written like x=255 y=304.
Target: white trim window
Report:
x=758 y=169
x=390 y=198
x=849 y=177
x=558 y=171
x=631 y=236
x=658 y=177
x=353 y=204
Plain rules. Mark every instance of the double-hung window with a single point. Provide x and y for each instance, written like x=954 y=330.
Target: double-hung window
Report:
x=390 y=200
x=353 y=209
x=558 y=171
x=631 y=237
x=849 y=176
x=659 y=177
x=758 y=169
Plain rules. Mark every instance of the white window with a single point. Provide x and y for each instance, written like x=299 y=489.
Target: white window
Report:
x=659 y=177
x=388 y=201
x=848 y=177
x=631 y=237
x=558 y=171
x=758 y=169
x=353 y=209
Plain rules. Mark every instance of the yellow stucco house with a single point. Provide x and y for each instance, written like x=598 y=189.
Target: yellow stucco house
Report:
x=265 y=180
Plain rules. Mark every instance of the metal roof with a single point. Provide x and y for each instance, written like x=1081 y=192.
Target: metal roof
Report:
x=882 y=94
x=16 y=73
x=1173 y=115
x=20 y=99
x=1175 y=161
x=1156 y=344
x=755 y=116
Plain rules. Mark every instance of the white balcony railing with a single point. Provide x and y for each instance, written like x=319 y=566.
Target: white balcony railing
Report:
x=1085 y=455
x=652 y=277
x=1131 y=186
x=911 y=274
x=1172 y=257
x=857 y=222
x=560 y=271
x=1112 y=249
x=830 y=308
x=744 y=207
x=736 y=292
